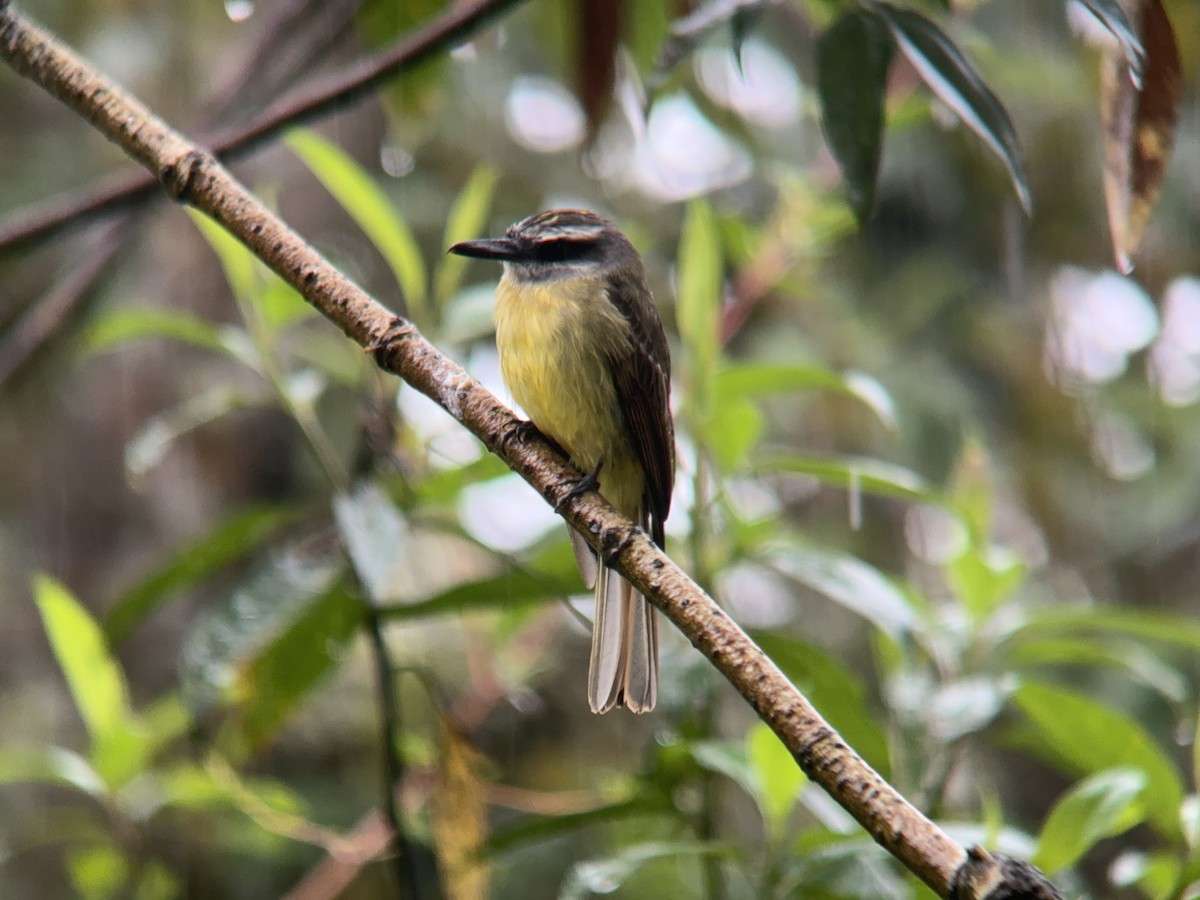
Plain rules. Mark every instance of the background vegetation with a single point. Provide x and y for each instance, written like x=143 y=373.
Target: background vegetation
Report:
x=939 y=465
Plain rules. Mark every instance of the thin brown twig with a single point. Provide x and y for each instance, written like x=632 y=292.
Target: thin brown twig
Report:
x=281 y=24
x=54 y=309
x=63 y=302
x=403 y=862
x=112 y=194
x=49 y=312
x=346 y=855
x=285 y=49
x=334 y=873
x=193 y=176
x=337 y=24
x=327 y=95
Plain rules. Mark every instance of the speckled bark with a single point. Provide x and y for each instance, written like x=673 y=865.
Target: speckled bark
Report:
x=193 y=176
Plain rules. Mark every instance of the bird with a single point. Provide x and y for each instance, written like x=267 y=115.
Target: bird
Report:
x=583 y=351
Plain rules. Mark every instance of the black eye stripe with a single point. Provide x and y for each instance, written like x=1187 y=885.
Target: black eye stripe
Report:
x=562 y=249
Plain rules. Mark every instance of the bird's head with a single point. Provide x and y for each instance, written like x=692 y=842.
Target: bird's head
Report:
x=556 y=244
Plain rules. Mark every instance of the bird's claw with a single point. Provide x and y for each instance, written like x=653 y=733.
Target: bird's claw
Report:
x=589 y=482
x=518 y=431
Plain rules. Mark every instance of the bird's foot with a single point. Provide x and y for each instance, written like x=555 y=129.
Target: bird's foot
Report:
x=589 y=482
x=518 y=431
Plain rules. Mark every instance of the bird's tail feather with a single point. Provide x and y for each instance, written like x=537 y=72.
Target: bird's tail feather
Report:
x=623 y=670
x=640 y=683
x=585 y=559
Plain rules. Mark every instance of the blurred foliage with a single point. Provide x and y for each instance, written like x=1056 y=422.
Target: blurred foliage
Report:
x=941 y=465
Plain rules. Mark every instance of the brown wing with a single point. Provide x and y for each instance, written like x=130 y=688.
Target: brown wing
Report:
x=642 y=378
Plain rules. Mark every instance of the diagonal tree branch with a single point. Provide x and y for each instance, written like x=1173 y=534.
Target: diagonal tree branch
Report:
x=328 y=95
x=193 y=176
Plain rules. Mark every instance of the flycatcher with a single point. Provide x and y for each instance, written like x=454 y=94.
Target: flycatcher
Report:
x=582 y=349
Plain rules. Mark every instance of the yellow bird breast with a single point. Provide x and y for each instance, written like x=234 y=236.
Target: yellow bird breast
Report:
x=555 y=339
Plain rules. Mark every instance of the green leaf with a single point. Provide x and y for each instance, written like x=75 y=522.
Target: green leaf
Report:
x=647 y=28
x=540 y=830
x=1101 y=806
x=155 y=438
x=776 y=774
x=240 y=265
x=281 y=629
x=834 y=690
x=603 y=876
x=376 y=537
x=983 y=577
x=740 y=380
x=517 y=586
x=371 y=209
x=1089 y=737
x=824 y=865
x=971 y=490
x=215 y=785
x=164 y=721
x=853 y=57
x=156 y=882
x=232 y=539
x=296 y=660
x=1134 y=659
x=303 y=388
x=282 y=305
x=101 y=871
x=192 y=787
x=870 y=476
x=98 y=872
x=851 y=583
x=467 y=317
x=49 y=765
x=467 y=219
x=1156 y=874
x=698 y=305
x=743 y=21
x=726 y=758
x=1112 y=15
x=688 y=32
x=327 y=352
x=443 y=486
x=96 y=681
x=1189 y=820
x=277 y=679
x=946 y=71
x=732 y=432
x=118 y=327
x=966 y=705
x=1140 y=624
x=865 y=388
x=1196 y=753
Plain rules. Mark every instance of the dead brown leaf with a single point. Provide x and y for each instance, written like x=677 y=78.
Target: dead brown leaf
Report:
x=1139 y=127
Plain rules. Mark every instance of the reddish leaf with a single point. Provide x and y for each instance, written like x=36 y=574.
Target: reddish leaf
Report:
x=1139 y=129
x=599 y=33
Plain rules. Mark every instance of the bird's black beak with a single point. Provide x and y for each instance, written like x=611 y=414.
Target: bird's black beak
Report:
x=492 y=248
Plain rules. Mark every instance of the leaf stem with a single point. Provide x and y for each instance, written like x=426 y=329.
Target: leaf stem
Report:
x=403 y=863
x=706 y=820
